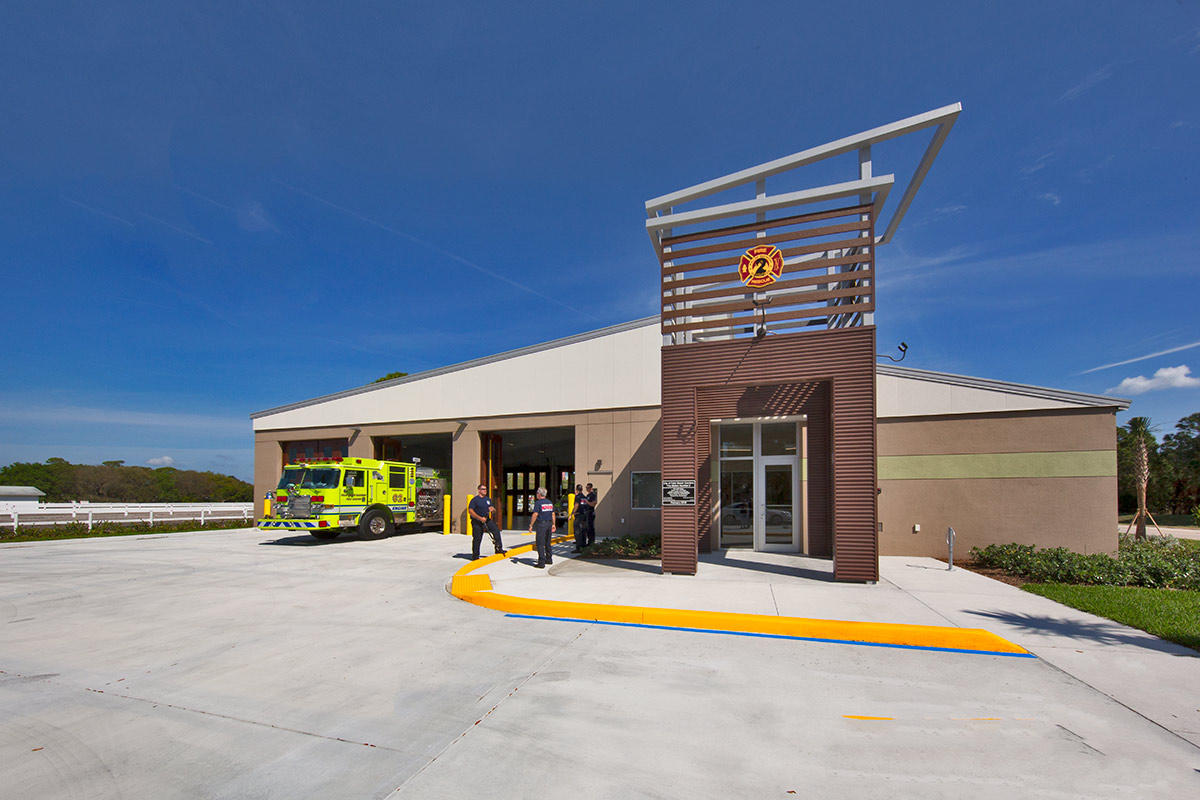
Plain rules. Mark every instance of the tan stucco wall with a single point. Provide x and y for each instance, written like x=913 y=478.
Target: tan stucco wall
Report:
x=621 y=441
x=1050 y=506
x=609 y=447
x=1045 y=478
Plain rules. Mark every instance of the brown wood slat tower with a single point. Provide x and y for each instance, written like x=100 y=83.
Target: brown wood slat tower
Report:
x=803 y=344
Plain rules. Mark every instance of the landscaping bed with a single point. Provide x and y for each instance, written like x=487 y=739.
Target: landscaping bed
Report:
x=1155 y=563
x=648 y=547
x=1152 y=585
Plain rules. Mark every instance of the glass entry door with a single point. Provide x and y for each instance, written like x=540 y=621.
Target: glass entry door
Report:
x=760 y=499
x=737 y=504
x=778 y=520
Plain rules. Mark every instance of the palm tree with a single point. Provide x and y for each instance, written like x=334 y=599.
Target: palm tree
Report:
x=1140 y=431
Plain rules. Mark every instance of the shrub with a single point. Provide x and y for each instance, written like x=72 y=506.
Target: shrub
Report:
x=1158 y=563
x=649 y=546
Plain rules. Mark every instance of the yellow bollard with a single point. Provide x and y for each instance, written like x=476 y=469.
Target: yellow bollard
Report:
x=267 y=507
x=510 y=510
x=571 y=513
x=445 y=515
x=467 y=525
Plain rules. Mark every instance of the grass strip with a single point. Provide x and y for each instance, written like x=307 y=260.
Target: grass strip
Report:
x=79 y=530
x=1165 y=520
x=1169 y=614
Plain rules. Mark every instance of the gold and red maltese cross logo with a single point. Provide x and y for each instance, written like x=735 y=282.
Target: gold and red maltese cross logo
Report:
x=761 y=266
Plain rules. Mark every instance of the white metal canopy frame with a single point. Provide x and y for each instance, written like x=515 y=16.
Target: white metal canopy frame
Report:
x=701 y=303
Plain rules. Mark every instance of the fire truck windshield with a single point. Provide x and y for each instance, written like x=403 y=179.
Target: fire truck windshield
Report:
x=323 y=478
x=291 y=475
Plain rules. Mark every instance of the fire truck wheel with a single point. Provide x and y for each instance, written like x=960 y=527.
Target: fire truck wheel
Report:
x=374 y=524
x=330 y=534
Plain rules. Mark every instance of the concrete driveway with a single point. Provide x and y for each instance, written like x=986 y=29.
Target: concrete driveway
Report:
x=239 y=664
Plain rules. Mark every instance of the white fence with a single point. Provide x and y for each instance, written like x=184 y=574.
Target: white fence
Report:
x=93 y=513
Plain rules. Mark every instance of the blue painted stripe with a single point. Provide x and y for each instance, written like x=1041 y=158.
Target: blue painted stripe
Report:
x=778 y=636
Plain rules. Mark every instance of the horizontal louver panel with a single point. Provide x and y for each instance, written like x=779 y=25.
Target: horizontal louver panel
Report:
x=827 y=277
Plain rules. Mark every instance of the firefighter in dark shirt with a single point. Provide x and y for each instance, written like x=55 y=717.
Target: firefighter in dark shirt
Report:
x=543 y=526
x=580 y=515
x=590 y=511
x=480 y=510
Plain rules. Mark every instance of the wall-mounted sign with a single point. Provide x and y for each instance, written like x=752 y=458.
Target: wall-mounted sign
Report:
x=679 y=493
x=761 y=266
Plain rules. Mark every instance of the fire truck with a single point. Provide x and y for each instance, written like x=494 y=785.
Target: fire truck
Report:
x=329 y=496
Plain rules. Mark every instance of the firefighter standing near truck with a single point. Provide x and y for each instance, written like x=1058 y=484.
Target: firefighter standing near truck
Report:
x=481 y=509
x=543 y=527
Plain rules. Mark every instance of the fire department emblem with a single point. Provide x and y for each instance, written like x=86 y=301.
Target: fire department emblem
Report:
x=761 y=266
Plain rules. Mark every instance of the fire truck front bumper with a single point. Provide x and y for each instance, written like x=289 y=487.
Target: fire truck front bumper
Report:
x=275 y=524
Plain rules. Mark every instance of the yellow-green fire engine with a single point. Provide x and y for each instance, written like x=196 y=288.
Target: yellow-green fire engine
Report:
x=326 y=497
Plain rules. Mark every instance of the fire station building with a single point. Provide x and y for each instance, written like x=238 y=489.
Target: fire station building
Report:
x=752 y=411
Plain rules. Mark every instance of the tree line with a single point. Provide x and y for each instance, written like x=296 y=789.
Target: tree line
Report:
x=113 y=482
x=1174 y=467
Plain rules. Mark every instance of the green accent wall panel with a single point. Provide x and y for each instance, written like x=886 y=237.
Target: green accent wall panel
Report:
x=1080 y=464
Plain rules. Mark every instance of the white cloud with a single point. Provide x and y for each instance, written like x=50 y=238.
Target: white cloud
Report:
x=940 y=213
x=1089 y=174
x=161 y=461
x=1094 y=77
x=1165 y=378
x=1050 y=197
x=176 y=228
x=1038 y=165
x=1141 y=358
x=253 y=217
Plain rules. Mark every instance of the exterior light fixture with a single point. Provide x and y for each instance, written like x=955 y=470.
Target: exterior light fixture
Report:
x=903 y=348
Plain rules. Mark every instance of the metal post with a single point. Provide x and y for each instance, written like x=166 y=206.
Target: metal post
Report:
x=201 y=517
x=89 y=519
x=950 y=544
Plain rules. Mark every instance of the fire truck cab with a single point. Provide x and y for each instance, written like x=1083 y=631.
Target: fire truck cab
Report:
x=326 y=497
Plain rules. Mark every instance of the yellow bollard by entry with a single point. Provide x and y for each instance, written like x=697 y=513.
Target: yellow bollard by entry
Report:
x=267 y=507
x=510 y=510
x=445 y=515
x=571 y=513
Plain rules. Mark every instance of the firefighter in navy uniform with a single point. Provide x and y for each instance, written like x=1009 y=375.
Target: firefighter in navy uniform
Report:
x=543 y=527
x=480 y=509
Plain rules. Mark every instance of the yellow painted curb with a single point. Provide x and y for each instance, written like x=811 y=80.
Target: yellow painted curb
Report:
x=465 y=584
x=882 y=633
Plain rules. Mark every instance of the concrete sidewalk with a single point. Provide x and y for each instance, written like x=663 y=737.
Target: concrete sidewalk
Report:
x=1178 y=533
x=1142 y=672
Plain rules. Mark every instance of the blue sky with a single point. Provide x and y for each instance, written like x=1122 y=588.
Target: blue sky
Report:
x=210 y=209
